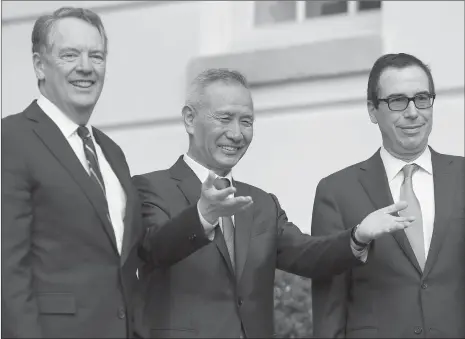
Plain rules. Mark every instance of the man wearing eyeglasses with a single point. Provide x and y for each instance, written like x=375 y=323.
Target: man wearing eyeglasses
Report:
x=413 y=284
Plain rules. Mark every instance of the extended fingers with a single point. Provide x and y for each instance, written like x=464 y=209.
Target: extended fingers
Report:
x=394 y=208
x=224 y=193
x=237 y=203
x=208 y=183
x=404 y=219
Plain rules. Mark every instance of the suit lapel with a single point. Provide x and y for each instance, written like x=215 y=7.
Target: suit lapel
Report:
x=190 y=186
x=54 y=140
x=119 y=169
x=243 y=222
x=444 y=190
x=188 y=183
x=374 y=181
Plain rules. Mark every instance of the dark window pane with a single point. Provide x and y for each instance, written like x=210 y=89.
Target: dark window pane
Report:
x=368 y=4
x=269 y=12
x=325 y=7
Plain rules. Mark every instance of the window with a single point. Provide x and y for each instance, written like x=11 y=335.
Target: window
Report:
x=268 y=12
x=367 y=5
x=272 y=12
x=320 y=8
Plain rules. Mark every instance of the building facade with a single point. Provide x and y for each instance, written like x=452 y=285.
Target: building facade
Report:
x=307 y=63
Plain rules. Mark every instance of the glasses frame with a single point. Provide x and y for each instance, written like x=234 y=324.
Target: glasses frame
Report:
x=387 y=101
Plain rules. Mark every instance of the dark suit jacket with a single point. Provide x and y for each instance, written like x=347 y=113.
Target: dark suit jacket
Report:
x=390 y=296
x=62 y=275
x=201 y=296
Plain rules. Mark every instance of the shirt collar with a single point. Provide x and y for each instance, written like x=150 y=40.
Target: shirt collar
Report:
x=201 y=171
x=67 y=126
x=394 y=165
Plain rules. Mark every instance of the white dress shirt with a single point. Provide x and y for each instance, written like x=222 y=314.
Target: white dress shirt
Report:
x=423 y=186
x=202 y=173
x=115 y=194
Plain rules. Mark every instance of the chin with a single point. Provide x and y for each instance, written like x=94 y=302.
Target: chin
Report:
x=84 y=104
x=227 y=164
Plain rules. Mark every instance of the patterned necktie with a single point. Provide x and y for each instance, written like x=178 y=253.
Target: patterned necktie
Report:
x=228 y=226
x=415 y=231
x=91 y=156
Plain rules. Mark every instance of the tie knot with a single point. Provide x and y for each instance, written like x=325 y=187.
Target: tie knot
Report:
x=221 y=183
x=83 y=132
x=409 y=170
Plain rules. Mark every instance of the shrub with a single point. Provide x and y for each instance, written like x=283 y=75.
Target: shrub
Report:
x=293 y=306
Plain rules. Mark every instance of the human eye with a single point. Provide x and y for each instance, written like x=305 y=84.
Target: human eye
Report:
x=68 y=56
x=397 y=100
x=224 y=118
x=97 y=58
x=247 y=122
x=422 y=97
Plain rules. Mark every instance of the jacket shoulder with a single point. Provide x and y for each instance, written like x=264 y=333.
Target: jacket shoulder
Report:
x=159 y=181
x=344 y=174
x=16 y=120
x=155 y=176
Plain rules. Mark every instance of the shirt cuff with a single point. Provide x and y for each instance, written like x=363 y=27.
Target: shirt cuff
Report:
x=208 y=228
x=361 y=253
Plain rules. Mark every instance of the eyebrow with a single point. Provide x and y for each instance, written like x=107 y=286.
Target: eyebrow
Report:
x=396 y=95
x=230 y=114
x=74 y=49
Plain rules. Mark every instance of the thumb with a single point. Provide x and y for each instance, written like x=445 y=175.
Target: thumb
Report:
x=398 y=206
x=208 y=183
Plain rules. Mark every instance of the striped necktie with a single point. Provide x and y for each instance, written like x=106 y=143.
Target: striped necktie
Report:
x=91 y=156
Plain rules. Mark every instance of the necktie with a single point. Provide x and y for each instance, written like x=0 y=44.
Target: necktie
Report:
x=415 y=231
x=228 y=226
x=91 y=156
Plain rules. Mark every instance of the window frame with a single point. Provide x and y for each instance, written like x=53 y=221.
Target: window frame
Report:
x=352 y=10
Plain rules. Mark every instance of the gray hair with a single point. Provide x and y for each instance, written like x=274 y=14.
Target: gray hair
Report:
x=43 y=25
x=196 y=88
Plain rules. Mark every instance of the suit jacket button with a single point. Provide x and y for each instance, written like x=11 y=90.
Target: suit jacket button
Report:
x=192 y=237
x=424 y=286
x=239 y=301
x=418 y=330
x=121 y=313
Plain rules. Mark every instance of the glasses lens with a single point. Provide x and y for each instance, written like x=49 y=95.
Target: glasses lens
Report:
x=423 y=101
x=398 y=104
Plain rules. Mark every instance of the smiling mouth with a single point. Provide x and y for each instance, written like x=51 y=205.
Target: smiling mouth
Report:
x=411 y=129
x=82 y=83
x=230 y=149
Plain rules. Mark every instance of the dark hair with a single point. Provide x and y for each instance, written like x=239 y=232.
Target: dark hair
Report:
x=42 y=26
x=400 y=60
x=196 y=89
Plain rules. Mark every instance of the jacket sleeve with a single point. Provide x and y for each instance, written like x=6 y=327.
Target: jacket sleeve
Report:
x=168 y=238
x=329 y=294
x=20 y=312
x=312 y=256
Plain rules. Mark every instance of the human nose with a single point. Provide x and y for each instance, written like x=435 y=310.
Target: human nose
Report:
x=234 y=131
x=411 y=111
x=84 y=64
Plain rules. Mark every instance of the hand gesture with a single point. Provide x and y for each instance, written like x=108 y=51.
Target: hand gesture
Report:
x=384 y=220
x=215 y=203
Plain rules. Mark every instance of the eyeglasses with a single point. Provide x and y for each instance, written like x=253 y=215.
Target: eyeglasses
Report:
x=400 y=103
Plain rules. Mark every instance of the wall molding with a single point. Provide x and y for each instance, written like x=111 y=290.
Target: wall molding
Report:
x=99 y=8
x=303 y=62
x=311 y=106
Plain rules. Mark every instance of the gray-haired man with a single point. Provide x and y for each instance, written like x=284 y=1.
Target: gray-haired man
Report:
x=71 y=222
x=226 y=288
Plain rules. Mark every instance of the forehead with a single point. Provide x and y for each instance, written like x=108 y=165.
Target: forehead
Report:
x=408 y=81
x=225 y=96
x=75 y=33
